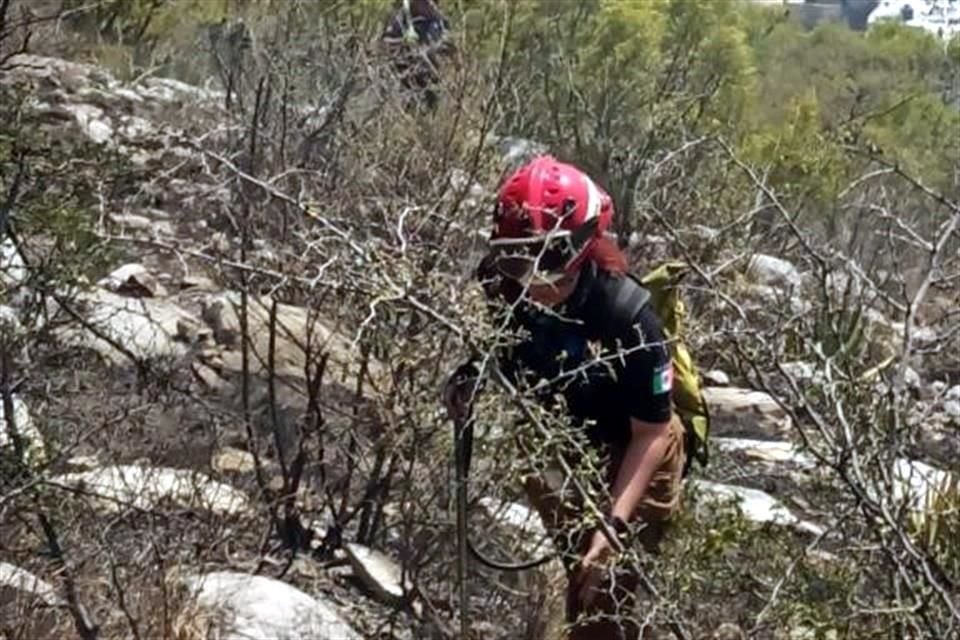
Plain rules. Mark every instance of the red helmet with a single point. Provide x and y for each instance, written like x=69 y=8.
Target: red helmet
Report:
x=548 y=215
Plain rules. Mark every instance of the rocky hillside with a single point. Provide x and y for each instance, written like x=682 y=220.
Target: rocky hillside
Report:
x=220 y=396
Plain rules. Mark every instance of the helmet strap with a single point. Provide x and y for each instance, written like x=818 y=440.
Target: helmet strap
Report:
x=584 y=232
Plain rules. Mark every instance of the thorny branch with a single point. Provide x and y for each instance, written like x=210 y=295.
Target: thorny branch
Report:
x=844 y=452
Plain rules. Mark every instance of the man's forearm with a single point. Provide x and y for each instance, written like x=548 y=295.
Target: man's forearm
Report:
x=648 y=444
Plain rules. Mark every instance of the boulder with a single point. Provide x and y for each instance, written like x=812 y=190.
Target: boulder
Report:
x=28 y=602
x=131 y=222
x=83 y=463
x=34 y=448
x=522 y=522
x=294 y=326
x=236 y=606
x=810 y=633
x=920 y=485
x=377 y=571
x=170 y=90
x=28 y=585
x=149 y=328
x=911 y=378
x=133 y=280
x=801 y=371
x=756 y=506
x=775 y=452
x=762 y=293
x=774 y=272
x=92 y=121
x=208 y=377
x=133 y=486
x=747 y=413
x=517 y=516
x=232 y=460
x=951 y=408
x=704 y=233
x=197 y=282
x=9 y=320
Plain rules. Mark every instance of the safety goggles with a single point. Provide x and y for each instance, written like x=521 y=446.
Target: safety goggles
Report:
x=525 y=260
x=540 y=260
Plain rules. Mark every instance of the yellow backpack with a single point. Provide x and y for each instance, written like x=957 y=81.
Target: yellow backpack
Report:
x=663 y=284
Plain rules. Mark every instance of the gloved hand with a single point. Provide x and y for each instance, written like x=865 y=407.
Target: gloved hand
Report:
x=593 y=566
x=458 y=391
x=592 y=569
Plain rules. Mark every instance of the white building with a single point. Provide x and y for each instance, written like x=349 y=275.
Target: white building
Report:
x=940 y=17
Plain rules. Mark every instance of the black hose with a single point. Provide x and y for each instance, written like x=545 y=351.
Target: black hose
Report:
x=463 y=443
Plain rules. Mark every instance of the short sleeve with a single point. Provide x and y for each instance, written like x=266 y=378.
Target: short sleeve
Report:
x=646 y=380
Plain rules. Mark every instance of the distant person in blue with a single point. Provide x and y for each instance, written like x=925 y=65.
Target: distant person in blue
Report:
x=415 y=37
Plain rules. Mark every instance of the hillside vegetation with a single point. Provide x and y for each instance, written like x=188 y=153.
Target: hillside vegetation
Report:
x=236 y=270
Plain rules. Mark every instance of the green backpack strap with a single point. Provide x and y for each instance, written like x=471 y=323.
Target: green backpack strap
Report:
x=662 y=283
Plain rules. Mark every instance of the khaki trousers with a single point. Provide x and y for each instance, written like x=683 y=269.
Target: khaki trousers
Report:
x=612 y=615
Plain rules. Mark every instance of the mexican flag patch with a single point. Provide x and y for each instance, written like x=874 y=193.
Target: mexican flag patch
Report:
x=663 y=379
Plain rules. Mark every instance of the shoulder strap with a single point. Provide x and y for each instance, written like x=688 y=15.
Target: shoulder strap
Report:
x=626 y=297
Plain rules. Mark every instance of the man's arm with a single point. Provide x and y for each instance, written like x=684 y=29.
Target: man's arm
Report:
x=648 y=383
x=648 y=444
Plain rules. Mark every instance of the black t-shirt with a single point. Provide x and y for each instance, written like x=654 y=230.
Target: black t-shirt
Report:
x=609 y=363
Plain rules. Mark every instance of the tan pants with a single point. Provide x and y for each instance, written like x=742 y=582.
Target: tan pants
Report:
x=612 y=616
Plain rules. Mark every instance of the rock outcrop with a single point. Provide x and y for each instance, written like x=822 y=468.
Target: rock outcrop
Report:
x=236 y=606
x=108 y=112
x=125 y=330
x=122 y=487
x=28 y=603
x=747 y=413
x=22 y=426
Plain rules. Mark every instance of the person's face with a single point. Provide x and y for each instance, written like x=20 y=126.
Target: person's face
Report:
x=552 y=294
